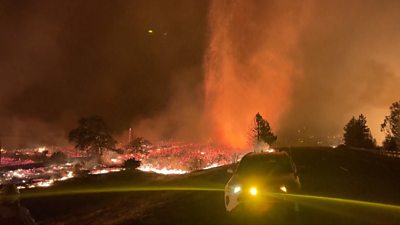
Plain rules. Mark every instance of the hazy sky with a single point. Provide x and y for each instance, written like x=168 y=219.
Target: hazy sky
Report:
x=307 y=66
x=61 y=60
x=205 y=69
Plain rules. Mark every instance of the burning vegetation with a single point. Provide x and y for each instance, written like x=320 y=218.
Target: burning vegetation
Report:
x=31 y=168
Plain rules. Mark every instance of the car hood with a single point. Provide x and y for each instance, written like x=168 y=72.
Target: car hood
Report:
x=260 y=180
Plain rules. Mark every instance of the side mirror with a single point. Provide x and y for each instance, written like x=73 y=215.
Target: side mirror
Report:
x=229 y=170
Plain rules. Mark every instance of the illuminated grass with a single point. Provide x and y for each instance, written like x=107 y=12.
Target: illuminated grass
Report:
x=46 y=192
x=302 y=198
x=299 y=198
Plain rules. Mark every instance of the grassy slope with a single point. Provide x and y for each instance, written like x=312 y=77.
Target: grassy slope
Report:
x=327 y=172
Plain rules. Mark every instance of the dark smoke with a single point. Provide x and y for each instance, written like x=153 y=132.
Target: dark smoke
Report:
x=334 y=59
x=61 y=60
x=349 y=57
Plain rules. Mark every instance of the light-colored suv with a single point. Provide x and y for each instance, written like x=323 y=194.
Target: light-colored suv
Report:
x=260 y=180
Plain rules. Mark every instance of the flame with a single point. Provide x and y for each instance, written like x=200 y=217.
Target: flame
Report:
x=41 y=149
x=249 y=65
x=212 y=166
x=164 y=170
x=47 y=183
x=106 y=170
x=68 y=176
x=167 y=157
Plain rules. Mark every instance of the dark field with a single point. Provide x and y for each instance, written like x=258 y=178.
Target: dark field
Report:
x=134 y=197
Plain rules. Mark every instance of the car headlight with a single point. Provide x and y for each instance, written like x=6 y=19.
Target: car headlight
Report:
x=237 y=189
x=283 y=188
x=253 y=191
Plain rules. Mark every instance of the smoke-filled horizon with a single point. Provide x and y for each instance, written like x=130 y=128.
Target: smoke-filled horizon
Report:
x=306 y=66
x=196 y=70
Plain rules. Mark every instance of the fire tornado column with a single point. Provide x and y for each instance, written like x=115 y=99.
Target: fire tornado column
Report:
x=250 y=64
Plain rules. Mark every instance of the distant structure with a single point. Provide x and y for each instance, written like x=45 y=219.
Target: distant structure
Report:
x=1 y=148
x=130 y=136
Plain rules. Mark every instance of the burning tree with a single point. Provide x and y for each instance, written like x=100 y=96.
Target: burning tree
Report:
x=262 y=133
x=92 y=134
x=357 y=133
x=391 y=127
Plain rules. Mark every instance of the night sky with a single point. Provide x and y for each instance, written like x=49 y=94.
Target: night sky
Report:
x=61 y=60
x=195 y=70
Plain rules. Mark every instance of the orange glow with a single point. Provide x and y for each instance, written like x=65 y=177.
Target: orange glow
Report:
x=249 y=66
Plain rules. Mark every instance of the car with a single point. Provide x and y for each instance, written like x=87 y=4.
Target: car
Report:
x=261 y=181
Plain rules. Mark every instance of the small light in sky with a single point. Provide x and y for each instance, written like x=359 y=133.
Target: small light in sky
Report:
x=150 y=31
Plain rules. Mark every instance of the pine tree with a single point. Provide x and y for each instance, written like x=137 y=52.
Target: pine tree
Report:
x=357 y=134
x=262 y=131
x=391 y=128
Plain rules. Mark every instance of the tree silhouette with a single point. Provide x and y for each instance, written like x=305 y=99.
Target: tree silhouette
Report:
x=131 y=163
x=389 y=143
x=92 y=134
x=140 y=145
x=391 y=128
x=261 y=132
x=357 y=134
x=58 y=157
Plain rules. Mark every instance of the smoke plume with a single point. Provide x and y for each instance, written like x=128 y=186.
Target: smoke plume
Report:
x=196 y=70
x=251 y=64
x=306 y=66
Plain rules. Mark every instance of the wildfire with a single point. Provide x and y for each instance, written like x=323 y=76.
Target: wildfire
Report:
x=105 y=170
x=163 y=158
x=45 y=183
x=41 y=149
x=212 y=166
x=248 y=69
x=68 y=176
x=161 y=171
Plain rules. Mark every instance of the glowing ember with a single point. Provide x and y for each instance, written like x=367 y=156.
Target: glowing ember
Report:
x=45 y=183
x=18 y=173
x=212 y=166
x=162 y=158
x=41 y=149
x=69 y=176
x=161 y=171
x=106 y=170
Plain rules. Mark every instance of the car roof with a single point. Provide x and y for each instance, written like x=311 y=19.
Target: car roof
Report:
x=261 y=154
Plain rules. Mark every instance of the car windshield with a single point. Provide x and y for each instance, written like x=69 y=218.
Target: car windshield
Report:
x=264 y=164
